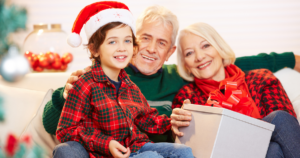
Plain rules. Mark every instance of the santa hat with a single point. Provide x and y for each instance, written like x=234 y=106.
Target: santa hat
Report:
x=97 y=15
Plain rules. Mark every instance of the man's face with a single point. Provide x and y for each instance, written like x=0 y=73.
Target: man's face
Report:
x=154 y=47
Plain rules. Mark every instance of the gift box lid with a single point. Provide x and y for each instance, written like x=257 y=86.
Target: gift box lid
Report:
x=229 y=113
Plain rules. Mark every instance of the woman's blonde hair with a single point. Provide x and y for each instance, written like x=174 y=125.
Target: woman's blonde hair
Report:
x=210 y=35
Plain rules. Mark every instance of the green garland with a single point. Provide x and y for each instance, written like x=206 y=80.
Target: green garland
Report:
x=12 y=18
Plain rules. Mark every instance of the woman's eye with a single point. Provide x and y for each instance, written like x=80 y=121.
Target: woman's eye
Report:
x=188 y=53
x=145 y=38
x=112 y=42
x=128 y=41
x=206 y=45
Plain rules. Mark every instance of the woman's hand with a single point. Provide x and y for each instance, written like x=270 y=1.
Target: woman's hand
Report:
x=74 y=77
x=116 y=150
x=180 y=118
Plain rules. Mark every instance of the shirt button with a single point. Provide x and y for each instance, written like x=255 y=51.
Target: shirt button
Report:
x=108 y=83
x=131 y=128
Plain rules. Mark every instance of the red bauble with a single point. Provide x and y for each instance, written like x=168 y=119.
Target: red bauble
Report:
x=28 y=54
x=50 y=56
x=63 y=67
x=67 y=58
x=33 y=60
x=56 y=56
x=56 y=64
x=38 y=68
x=43 y=60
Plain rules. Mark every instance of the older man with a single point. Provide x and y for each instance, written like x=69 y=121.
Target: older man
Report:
x=157 y=29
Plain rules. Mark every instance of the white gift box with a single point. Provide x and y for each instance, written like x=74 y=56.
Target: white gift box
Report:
x=222 y=133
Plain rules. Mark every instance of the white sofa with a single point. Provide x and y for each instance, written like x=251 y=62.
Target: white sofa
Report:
x=24 y=103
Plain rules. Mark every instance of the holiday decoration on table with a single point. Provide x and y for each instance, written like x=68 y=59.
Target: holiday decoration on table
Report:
x=46 y=48
x=13 y=65
x=12 y=18
x=48 y=61
x=22 y=148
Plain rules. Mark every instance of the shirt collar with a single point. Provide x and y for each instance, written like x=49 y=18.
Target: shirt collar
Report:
x=137 y=70
x=100 y=76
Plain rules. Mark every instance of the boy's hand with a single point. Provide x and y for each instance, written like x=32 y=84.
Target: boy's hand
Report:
x=180 y=118
x=74 y=77
x=117 y=150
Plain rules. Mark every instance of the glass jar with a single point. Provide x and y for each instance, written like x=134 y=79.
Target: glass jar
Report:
x=46 y=48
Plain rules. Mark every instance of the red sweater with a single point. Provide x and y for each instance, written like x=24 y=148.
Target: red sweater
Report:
x=265 y=89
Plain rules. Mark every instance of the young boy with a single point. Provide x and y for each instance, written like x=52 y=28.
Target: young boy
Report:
x=105 y=110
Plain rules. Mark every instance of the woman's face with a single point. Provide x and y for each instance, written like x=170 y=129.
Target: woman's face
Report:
x=201 y=58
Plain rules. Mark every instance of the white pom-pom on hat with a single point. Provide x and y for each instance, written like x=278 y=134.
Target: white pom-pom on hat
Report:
x=74 y=40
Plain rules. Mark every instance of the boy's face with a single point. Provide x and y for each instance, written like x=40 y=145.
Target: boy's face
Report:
x=117 y=49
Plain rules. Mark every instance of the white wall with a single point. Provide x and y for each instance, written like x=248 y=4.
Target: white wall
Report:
x=249 y=26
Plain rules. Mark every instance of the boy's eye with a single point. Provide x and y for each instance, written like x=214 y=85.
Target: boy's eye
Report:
x=112 y=42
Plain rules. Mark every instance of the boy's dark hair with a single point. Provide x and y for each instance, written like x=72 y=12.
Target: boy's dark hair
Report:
x=98 y=38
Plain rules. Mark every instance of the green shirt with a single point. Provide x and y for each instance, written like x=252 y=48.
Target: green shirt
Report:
x=160 y=88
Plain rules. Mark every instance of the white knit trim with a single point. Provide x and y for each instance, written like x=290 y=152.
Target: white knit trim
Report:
x=106 y=16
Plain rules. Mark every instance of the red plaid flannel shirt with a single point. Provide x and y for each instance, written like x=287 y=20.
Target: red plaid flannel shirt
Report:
x=265 y=89
x=94 y=114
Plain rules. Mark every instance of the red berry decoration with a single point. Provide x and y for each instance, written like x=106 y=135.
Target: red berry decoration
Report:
x=67 y=58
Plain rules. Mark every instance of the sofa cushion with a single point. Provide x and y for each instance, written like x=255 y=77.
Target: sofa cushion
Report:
x=19 y=107
x=37 y=131
x=39 y=81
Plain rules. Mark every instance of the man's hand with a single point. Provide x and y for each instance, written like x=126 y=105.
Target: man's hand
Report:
x=74 y=77
x=180 y=118
x=297 y=63
x=116 y=150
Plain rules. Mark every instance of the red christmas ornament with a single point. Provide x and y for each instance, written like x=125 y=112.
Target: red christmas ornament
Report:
x=27 y=54
x=56 y=64
x=64 y=67
x=33 y=60
x=67 y=58
x=56 y=56
x=11 y=145
x=38 y=68
x=43 y=60
x=50 y=56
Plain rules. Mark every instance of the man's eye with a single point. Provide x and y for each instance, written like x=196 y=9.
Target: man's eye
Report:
x=145 y=38
x=112 y=42
x=162 y=43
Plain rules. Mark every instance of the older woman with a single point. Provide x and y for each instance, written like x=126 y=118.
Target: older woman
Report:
x=206 y=60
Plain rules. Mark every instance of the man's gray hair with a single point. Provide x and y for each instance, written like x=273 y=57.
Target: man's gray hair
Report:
x=161 y=13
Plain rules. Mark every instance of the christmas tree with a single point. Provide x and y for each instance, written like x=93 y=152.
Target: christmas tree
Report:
x=12 y=18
